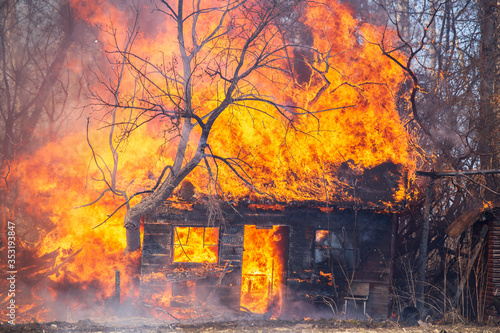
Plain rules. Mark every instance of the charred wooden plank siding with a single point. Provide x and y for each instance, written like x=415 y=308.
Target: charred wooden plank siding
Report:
x=364 y=253
x=157 y=245
x=493 y=272
x=367 y=261
x=375 y=263
x=300 y=268
x=231 y=250
x=156 y=257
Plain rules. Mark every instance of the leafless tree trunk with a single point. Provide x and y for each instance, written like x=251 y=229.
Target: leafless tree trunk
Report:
x=403 y=19
x=253 y=45
x=488 y=119
x=454 y=126
x=34 y=40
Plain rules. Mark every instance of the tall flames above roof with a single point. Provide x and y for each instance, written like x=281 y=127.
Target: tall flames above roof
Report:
x=349 y=137
x=339 y=87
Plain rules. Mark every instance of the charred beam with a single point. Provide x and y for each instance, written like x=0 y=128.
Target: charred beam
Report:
x=117 y=287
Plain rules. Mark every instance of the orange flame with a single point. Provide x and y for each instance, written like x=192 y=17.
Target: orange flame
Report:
x=196 y=244
x=361 y=128
x=263 y=269
x=321 y=236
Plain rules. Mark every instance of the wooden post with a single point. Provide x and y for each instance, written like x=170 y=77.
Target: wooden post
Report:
x=117 y=287
x=394 y=242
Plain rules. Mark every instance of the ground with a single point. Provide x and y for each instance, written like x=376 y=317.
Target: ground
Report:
x=314 y=326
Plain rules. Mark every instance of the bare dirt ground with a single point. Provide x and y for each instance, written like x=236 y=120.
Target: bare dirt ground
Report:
x=314 y=326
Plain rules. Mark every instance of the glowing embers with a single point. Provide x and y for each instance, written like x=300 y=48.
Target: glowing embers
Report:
x=196 y=244
x=263 y=269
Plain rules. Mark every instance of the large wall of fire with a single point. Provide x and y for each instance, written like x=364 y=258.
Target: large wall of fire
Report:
x=352 y=136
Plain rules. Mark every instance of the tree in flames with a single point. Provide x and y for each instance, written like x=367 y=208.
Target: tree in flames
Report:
x=262 y=100
x=262 y=92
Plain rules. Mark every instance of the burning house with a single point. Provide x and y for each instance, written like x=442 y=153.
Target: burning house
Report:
x=301 y=259
x=302 y=198
x=297 y=135
x=260 y=142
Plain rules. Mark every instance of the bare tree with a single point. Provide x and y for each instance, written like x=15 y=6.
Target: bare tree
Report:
x=451 y=45
x=34 y=46
x=34 y=40
x=229 y=44
x=488 y=120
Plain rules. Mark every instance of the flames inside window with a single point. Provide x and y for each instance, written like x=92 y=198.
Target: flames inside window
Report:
x=196 y=244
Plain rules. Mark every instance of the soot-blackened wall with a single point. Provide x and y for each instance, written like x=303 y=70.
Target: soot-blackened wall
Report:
x=319 y=268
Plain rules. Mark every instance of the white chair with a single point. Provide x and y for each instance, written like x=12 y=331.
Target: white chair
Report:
x=358 y=292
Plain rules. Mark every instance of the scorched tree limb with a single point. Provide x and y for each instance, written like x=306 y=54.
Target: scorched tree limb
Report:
x=250 y=49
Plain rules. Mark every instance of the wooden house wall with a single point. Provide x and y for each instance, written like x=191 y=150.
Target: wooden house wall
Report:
x=373 y=231
x=157 y=258
x=493 y=267
x=231 y=250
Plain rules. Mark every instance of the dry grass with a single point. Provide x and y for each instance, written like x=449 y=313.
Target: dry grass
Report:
x=313 y=326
